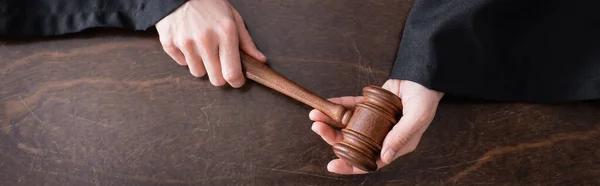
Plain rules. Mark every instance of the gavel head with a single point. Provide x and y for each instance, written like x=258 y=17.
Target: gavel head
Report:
x=368 y=126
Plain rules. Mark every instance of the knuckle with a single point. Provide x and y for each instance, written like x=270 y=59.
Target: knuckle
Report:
x=401 y=140
x=185 y=42
x=166 y=42
x=169 y=48
x=188 y=43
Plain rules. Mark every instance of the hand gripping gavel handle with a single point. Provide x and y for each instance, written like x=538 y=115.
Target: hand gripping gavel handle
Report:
x=260 y=73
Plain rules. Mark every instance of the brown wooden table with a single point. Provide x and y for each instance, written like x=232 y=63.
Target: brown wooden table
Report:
x=105 y=107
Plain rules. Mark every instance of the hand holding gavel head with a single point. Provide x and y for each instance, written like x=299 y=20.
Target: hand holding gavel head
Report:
x=363 y=128
x=368 y=126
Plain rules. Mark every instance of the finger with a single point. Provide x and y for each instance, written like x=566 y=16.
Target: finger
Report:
x=192 y=57
x=400 y=135
x=328 y=133
x=246 y=43
x=170 y=47
x=175 y=54
x=317 y=115
x=210 y=55
x=347 y=101
x=194 y=62
x=339 y=166
x=380 y=163
x=229 y=54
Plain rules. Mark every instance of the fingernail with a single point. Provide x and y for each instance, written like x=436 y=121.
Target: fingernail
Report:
x=330 y=166
x=389 y=155
x=313 y=129
x=312 y=114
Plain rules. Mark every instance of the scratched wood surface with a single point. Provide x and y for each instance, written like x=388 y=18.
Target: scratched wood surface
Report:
x=110 y=108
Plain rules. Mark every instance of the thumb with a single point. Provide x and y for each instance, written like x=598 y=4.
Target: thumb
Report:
x=402 y=139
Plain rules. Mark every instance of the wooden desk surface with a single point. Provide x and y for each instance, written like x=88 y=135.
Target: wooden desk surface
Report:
x=111 y=108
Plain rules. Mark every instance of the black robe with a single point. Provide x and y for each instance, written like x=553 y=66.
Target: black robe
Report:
x=512 y=50
x=515 y=50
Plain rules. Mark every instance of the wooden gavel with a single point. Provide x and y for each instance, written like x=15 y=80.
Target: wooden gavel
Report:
x=363 y=129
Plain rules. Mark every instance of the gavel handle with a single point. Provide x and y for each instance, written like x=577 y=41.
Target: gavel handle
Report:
x=260 y=73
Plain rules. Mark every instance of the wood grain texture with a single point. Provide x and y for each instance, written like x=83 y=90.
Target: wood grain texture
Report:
x=110 y=108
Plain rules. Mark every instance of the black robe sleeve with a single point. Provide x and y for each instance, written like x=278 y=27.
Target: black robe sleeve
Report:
x=516 y=50
x=56 y=17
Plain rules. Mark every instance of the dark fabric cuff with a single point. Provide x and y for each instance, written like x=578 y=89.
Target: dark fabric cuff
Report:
x=154 y=11
x=409 y=68
x=69 y=17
